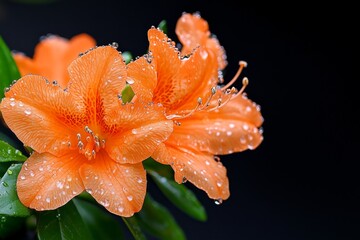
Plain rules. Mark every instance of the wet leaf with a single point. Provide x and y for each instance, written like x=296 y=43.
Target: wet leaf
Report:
x=9 y=153
x=61 y=224
x=8 y=68
x=134 y=227
x=99 y=222
x=180 y=196
x=10 y=204
x=158 y=221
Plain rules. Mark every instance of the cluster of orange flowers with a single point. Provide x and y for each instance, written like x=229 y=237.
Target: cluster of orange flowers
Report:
x=70 y=111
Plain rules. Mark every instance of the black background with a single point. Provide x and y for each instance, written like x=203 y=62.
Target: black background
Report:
x=302 y=182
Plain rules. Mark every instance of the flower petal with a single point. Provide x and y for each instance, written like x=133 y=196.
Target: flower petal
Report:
x=25 y=64
x=231 y=128
x=41 y=115
x=97 y=78
x=144 y=77
x=180 y=81
x=120 y=188
x=49 y=58
x=47 y=182
x=77 y=45
x=199 y=168
x=193 y=31
x=137 y=129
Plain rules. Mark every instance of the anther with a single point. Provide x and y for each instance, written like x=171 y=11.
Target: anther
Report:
x=245 y=82
x=242 y=64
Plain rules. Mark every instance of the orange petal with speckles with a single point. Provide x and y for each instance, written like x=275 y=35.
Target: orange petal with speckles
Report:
x=193 y=31
x=199 y=168
x=97 y=78
x=232 y=128
x=144 y=78
x=40 y=115
x=47 y=182
x=120 y=188
x=180 y=81
x=137 y=129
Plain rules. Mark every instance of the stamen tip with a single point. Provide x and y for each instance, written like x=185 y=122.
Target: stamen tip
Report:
x=243 y=63
x=245 y=81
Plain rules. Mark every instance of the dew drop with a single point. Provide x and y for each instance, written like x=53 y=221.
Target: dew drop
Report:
x=207 y=162
x=219 y=184
x=184 y=180
x=47 y=200
x=139 y=180
x=229 y=133
x=121 y=209
x=130 y=198
x=115 y=45
x=9 y=171
x=12 y=104
x=134 y=131
x=5 y=184
x=3 y=219
x=130 y=81
x=22 y=177
x=27 y=111
x=218 y=201
x=231 y=125
x=60 y=184
x=106 y=203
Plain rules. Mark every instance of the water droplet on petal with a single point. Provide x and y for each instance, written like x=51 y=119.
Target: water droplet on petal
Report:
x=27 y=111
x=134 y=131
x=218 y=201
x=130 y=198
x=121 y=209
x=47 y=200
x=130 y=81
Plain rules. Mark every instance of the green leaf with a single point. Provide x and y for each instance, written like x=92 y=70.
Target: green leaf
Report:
x=9 y=153
x=180 y=196
x=99 y=222
x=127 y=56
x=158 y=221
x=4 y=167
x=11 y=226
x=127 y=94
x=134 y=227
x=163 y=26
x=62 y=224
x=9 y=202
x=163 y=170
x=8 y=68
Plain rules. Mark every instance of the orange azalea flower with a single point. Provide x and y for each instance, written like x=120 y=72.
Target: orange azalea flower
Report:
x=193 y=31
x=204 y=124
x=84 y=137
x=52 y=56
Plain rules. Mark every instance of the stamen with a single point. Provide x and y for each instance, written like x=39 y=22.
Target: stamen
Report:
x=245 y=82
x=187 y=114
x=242 y=64
x=213 y=91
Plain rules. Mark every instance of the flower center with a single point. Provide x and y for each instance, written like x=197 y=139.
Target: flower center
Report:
x=89 y=143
